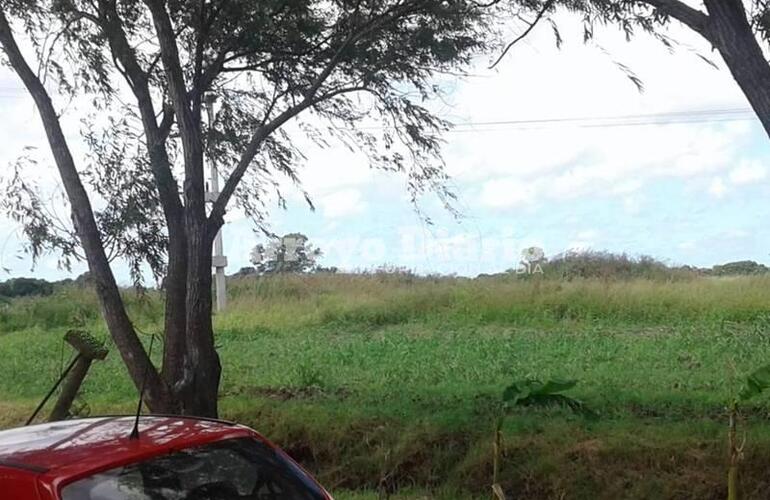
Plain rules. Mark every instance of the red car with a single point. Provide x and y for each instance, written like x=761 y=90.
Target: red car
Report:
x=174 y=458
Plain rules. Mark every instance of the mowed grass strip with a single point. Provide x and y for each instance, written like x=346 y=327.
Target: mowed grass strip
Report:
x=385 y=381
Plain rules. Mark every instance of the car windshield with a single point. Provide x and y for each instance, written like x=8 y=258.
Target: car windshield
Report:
x=226 y=470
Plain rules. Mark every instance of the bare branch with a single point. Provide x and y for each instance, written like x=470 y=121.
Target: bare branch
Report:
x=546 y=6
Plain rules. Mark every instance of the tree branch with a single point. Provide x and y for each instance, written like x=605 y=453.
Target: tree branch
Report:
x=546 y=6
x=694 y=18
x=308 y=99
x=156 y=136
x=189 y=125
x=170 y=57
x=196 y=96
x=208 y=75
x=166 y=123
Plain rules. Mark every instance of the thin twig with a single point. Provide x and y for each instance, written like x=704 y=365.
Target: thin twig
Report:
x=532 y=25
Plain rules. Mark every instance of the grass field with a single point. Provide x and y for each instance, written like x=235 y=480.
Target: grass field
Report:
x=389 y=383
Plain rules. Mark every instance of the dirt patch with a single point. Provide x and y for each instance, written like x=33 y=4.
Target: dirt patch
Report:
x=289 y=393
x=588 y=449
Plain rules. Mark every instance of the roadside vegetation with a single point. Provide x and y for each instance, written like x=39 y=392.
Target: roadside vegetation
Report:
x=387 y=383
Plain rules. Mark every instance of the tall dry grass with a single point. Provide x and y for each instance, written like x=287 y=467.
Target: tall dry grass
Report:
x=292 y=301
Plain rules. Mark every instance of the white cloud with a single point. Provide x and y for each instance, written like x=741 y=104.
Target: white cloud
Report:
x=508 y=193
x=717 y=188
x=615 y=162
x=584 y=240
x=632 y=205
x=628 y=187
x=589 y=234
x=342 y=203
x=747 y=173
x=566 y=160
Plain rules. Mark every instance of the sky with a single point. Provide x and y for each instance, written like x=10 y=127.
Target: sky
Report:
x=583 y=160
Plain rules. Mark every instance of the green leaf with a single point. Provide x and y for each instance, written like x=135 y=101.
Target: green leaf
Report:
x=755 y=383
x=533 y=392
x=558 y=385
x=522 y=390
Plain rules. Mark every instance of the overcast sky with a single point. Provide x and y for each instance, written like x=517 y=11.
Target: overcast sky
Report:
x=688 y=193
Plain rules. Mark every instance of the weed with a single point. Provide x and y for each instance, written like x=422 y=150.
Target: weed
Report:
x=414 y=365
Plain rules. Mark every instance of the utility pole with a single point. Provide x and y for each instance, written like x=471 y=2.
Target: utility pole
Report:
x=218 y=259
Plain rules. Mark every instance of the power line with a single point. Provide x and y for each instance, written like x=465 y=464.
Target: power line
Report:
x=669 y=114
x=713 y=115
x=629 y=120
x=525 y=125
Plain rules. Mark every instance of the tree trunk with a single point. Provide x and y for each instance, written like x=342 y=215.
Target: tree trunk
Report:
x=202 y=369
x=197 y=383
x=730 y=32
x=175 y=331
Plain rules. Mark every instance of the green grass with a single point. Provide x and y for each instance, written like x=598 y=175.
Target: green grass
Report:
x=390 y=382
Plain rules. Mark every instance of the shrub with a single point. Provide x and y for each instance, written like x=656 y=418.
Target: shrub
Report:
x=25 y=287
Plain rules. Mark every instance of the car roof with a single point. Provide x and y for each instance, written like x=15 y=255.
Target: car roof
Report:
x=74 y=447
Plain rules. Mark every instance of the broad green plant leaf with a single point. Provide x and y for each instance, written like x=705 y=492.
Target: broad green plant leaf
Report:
x=755 y=383
x=533 y=392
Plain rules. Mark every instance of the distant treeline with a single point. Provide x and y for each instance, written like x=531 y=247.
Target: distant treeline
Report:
x=566 y=266
x=25 y=287
x=606 y=265
x=22 y=287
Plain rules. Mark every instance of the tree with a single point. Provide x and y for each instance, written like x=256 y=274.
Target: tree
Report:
x=355 y=71
x=292 y=253
x=735 y=32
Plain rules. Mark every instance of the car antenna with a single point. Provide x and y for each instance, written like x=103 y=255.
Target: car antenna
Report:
x=135 y=431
